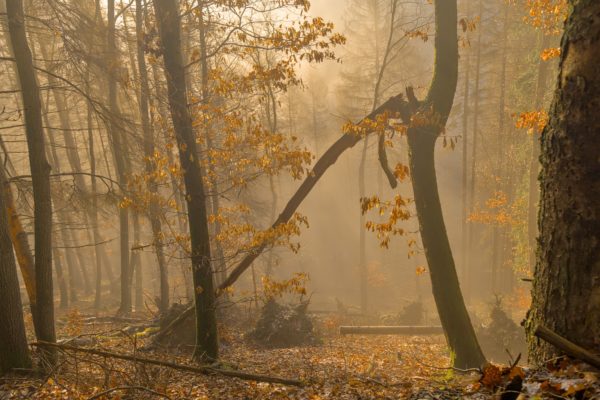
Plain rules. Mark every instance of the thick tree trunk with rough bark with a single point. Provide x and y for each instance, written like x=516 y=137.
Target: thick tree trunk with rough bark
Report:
x=40 y=174
x=13 y=342
x=566 y=288
x=169 y=23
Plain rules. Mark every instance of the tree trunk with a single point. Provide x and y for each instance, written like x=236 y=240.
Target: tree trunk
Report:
x=160 y=108
x=362 y=243
x=167 y=12
x=13 y=342
x=465 y=155
x=118 y=144
x=220 y=267
x=154 y=211
x=40 y=171
x=475 y=133
x=499 y=232
x=18 y=237
x=136 y=265
x=421 y=141
x=566 y=288
x=94 y=211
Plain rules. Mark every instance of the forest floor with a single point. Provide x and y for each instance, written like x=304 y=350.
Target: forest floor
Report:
x=341 y=367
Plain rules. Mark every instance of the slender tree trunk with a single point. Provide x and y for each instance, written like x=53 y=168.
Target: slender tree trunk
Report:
x=465 y=153
x=136 y=265
x=475 y=134
x=566 y=287
x=220 y=265
x=40 y=171
x=62 y=280
x=362 y=240
x=76 y=279
x=498 y=232
x=179 y=201
x=154 y=212
x=118 y=143
x=169 y=23
x=94 y=211
x=272 y=215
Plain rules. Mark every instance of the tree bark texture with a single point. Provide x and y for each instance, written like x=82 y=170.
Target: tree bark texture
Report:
x=40 y=171
x=14 y=352
x=566 y=288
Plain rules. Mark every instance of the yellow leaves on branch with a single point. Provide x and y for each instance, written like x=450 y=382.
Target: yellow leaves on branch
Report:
x=394 y=211
x=378 y=125
x=296 y=285
x=498 y=211
x=547 y=15
x=550 y=53
x=249 y=151
x=159 y=172
x=533 y=121
x=238 y=233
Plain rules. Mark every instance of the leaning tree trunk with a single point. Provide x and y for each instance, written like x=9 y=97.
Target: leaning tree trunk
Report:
x=421 y=141
x=566 y=288
x=40 y=175
x=13 y=342
x=167 y=12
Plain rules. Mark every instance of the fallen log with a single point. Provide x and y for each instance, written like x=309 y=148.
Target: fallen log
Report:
x=568 y=347
x=391 y=330
x=204 y=369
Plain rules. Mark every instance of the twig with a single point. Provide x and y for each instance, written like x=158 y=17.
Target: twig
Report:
x=466 y=371
x=205 y=370
x=145 y=389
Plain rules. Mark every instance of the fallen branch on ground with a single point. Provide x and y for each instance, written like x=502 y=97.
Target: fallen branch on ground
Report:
x=567 y=346
x=391 y=330
x=115 y=389
x=205 y=370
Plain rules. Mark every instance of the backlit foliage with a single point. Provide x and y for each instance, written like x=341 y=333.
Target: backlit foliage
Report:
x=393 y=212
x=548 y=15
x=296 y=285
x=252 y=56
x=500 y=211
x=552 y=52
x=237 y=233
x=533 y=121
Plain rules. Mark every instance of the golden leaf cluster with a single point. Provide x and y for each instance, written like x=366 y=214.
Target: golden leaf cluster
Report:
x=296 y=285
x=547 y=15
x=533 y=121
x=394 y=211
